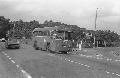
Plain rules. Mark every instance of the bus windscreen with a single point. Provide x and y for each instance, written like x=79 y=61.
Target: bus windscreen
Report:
x=40 y=33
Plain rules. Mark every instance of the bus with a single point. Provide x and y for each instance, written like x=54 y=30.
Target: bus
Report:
x=53 y=39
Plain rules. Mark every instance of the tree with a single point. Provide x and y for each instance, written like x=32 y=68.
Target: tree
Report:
x=5 y=25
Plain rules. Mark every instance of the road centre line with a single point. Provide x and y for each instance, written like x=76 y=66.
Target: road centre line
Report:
x=12 y=61
x=24 y=72
x=18 y=66
x=89 y=56
x=10 y=58
x=69 y=60
x=76 y=62
x=86 y=65
x=81 y=64
x=72 y=61
x=4 y=53
x=107 y=72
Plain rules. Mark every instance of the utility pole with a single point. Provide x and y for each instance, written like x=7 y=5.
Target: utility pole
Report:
x=95 y=25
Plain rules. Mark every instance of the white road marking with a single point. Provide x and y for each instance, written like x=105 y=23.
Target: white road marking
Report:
x=18 y=66
x=4 y=53
x=118 y=75
x=100 y=58
x=83 y=55
x=12 y=61
x=89 y=56
x=82 y=64
x=76 y=62
x=65 y=59
x=43 y=77
x=108 y=59
x=107 y=72
x=8 y=56
x=113 y=73
x=69 y=60
x=86 y=65
x=97 y=58
x=117 y=60
x=89 y=66
x=26 y=74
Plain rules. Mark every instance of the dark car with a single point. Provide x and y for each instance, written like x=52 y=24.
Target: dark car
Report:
x=12 y=44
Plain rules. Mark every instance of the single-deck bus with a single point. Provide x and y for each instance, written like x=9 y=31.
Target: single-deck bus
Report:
x=53 y=39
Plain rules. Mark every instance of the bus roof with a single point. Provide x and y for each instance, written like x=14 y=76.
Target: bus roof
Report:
x=57 y=28
x=44 y=29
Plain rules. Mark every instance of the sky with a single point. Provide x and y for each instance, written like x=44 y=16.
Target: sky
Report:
x=75 y=12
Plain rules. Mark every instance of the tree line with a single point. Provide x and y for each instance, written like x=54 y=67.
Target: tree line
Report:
x=23 y=29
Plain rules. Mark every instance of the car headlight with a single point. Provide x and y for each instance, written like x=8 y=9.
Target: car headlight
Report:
x=45 y=40
x=18 y=42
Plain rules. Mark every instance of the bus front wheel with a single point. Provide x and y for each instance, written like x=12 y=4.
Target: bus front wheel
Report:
x=48 y=46
x=35 y=45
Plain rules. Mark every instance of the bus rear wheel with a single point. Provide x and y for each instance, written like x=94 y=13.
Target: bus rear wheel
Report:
x=35 y=46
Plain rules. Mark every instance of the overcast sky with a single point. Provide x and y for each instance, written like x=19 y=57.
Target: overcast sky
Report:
x=77 y=12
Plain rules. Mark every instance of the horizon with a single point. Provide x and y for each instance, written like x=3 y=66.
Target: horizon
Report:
x=80 y=12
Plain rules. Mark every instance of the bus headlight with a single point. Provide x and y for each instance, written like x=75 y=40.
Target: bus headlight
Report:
x=45 y=40
x=18 y=42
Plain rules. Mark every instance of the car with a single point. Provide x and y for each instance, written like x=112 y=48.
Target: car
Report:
x=12 y=44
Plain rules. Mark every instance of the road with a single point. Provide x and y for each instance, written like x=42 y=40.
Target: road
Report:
x=8 y=69
x=30 y=63
x=45 y=65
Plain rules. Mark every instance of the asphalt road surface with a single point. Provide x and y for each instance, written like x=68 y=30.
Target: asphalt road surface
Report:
x=29 y=63
x=8 y=68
